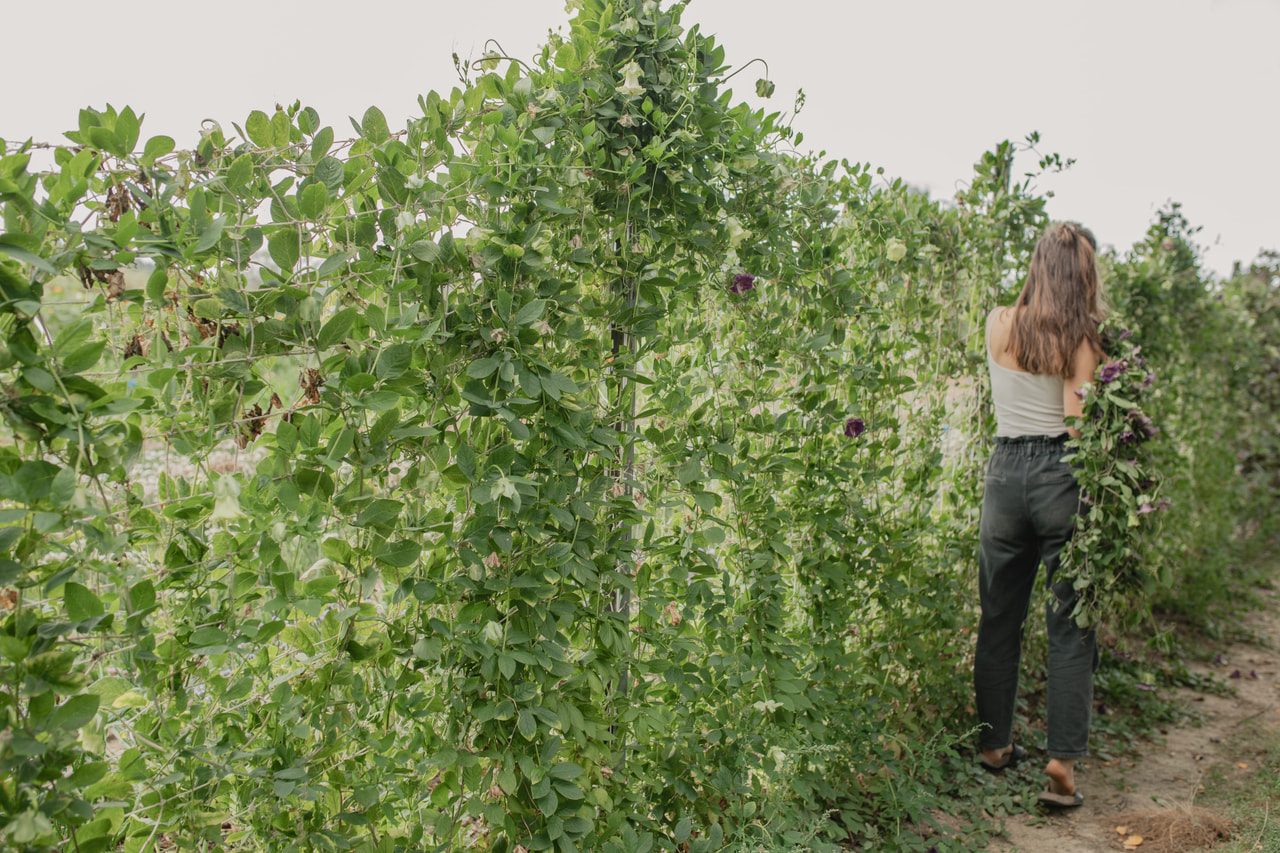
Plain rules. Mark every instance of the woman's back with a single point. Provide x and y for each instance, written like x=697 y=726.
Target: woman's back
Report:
x=1025 y=403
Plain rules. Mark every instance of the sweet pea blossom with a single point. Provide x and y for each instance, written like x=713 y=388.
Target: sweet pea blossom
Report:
x=1111 y=372
x=742 y=282
x=226 y=499
x=631 y=80
x=854 y=427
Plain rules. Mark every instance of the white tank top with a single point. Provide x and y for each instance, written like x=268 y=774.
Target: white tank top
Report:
x=1025 y=403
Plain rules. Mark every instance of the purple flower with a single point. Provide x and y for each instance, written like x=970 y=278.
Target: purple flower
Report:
x=1110 y=373
x=854 y=427
x=1146 y=687
x=1124 y=335
x=1145 y=508
x=1235 y=674
x=742 y=282
x=1146 y=383
x=1127 y=437
x=1219 y=659
x=1102 y=708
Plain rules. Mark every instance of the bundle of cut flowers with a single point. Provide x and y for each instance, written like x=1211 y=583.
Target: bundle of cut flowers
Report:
x=1119 y=491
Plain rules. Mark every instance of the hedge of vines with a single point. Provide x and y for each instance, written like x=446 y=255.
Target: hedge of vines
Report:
x=577 y=467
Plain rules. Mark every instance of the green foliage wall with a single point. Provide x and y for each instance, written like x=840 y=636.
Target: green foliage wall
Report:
x=577 y=467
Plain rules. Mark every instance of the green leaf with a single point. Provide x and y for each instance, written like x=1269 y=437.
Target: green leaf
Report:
x=482 y=367
x=530 y=313
x=109 y=688
x=83 y=358
x=210 y=236
x=74 y=713
x=284 y=249
x=157 y=147
x=374 y=126
x=313 y=200
x=81 y=602
x=332 y=264
x=280 y=128
x=527 y=725
x=335 y=331
x=258 y=127
x=379 y=513
x=18 y=253
x=321 y=143
x=126 y=130
x=556 y=384
x=240 y=172
x=425 y=251
x=329 y=171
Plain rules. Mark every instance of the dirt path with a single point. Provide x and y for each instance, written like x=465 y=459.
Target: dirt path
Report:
x=1168 y=773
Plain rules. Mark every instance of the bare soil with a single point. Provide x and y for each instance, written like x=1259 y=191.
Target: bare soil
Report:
x=1155 y=793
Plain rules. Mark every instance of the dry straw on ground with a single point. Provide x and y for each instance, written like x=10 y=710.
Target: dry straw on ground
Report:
x=1172 y=830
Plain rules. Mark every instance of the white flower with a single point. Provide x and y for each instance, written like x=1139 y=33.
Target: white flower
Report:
x=629 y=26
x=415 y=182
x=505 y=488
x=626 y=120
x=226 y=499
x=405 y=219
x=736 y=232
x=895 y=250
x=779 y=758
x=766 y=706
x=278 y=531
x=631 y=80
x=650 y=8
x=492 y=632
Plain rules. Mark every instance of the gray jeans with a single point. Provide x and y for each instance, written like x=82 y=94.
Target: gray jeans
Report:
x=1027 y=510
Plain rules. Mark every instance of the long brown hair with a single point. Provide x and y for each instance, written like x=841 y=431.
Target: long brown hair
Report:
x=1060 y=305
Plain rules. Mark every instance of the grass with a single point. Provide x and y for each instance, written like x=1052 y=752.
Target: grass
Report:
x=1251 y=800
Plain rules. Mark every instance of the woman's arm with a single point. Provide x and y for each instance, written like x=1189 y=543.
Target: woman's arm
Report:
x=1083 y=366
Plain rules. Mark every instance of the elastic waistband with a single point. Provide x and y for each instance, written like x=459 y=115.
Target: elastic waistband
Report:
x=1030 y=444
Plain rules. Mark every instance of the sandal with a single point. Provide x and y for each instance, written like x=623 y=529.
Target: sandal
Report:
x=1062 y=801
x=1011 y=760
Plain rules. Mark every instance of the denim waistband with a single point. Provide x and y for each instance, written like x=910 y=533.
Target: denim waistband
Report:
x=1030 y=445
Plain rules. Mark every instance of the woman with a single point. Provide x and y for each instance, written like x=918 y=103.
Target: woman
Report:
x=1039 y=352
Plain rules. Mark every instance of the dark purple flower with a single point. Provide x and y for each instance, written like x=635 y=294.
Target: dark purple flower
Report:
x=1127 y=437
x=742 y=282
x=1163 y=505
x=1102 y=708
x=1235 y=674
x=1110 y=373
x=1124 y=335
x=1215 y=740
x=1146 y=383
x=854 y=427
x=1253 y=673
x=1219 y=659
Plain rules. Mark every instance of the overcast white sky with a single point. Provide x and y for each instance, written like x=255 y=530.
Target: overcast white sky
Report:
x=1157 y=100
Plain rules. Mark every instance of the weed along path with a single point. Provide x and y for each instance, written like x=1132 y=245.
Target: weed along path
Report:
x=1195 y=783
